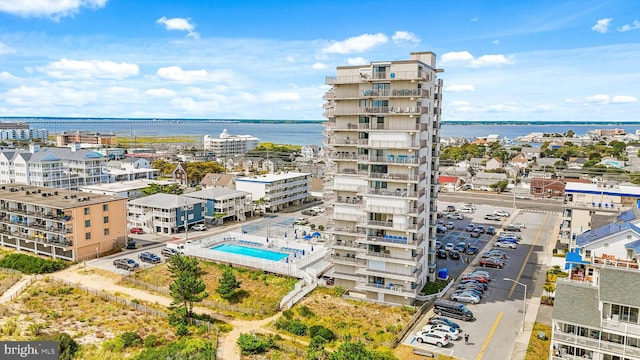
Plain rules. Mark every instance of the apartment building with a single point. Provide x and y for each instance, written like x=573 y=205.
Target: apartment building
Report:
x=278 y=191
x=65 y=168
x=86 y=137
x=588 y=205
x=225 y=204
x=63 y=224
x=383 y=135
x=230 y=145
x=165 y=213
x=597 y=307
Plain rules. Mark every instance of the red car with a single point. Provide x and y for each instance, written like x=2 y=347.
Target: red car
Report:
x=476 y=277
x=492 y=262
x=136 y=230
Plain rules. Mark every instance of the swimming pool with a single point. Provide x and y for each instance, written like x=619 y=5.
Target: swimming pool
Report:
x=250 y=251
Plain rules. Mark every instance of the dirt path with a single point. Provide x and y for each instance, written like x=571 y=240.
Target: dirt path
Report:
x=228 y=350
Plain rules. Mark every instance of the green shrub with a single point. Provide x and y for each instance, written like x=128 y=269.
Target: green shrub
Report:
x=288 y=314
x=151 y=341
x=321 y=331
x=297 y=327
x=32 y=265
x=184 y=348
x=250 y=344
x=304 y=311
x=130 y=339
x=67 y=346
x=182 y=330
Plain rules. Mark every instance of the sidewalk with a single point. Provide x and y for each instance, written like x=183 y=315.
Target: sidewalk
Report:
x=534 y=311
x=17 y=288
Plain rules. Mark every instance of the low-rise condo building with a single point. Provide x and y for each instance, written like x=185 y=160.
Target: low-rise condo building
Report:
x=165 y=213
x=277 y=191
x=230 y=145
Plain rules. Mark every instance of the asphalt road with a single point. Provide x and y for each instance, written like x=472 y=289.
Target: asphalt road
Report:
x=499 y=314
x=501 y=200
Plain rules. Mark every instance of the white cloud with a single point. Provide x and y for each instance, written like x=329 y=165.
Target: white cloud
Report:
x=502 y=108
x=161 y=93
x=623 y=99
x=283 y=96
x=602 y=26
x=319 y=66
x=180 y=24
x=357 y=61
x=597 y=99
x=496 y=42
x=465 y=58
x=48 y=95
x=7 y=77
x=4 y=49
x=175 y=73
x=356 y=44
x=403 y=37
x=635 y=25
x=460 y=88
x=570 y=101
x=459 y=103
x=291 y=59
x=56 y=9
x=474 y=19
x=89 y=69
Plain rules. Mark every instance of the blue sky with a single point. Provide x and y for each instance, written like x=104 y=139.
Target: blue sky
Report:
x=502 y=60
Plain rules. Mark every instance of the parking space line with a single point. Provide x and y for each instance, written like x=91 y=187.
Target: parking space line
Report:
x=493 y=330
x=526 y=258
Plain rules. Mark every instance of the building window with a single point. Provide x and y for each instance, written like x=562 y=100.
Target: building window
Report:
x=106 y=219
x=106 y=232
x=87 y=223
x=87 y=236
x=86 y=211
x=105 y=207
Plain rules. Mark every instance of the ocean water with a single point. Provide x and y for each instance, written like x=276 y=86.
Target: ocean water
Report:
x=284 y=132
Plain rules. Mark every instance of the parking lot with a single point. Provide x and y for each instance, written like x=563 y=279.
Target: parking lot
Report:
x=499 y=315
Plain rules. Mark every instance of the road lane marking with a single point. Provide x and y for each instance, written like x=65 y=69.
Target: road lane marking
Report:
x=493 y=330
x=526 y=258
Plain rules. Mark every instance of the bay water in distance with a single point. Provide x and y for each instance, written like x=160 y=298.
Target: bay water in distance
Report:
x=296 y=132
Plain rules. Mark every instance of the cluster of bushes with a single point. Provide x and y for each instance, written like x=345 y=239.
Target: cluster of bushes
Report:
x=155 y=348
x=251 y=344
x=31 y=264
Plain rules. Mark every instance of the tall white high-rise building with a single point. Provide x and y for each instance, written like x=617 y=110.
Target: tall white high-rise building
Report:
x=383 y=135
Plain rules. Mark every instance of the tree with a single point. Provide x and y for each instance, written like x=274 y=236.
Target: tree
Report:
x=569 y=134
x=228 y=285
x=500 y=186
x=154 y=188
x=188 y=286
x=259 y=205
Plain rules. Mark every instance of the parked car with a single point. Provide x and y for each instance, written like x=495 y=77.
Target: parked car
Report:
x=470 y=286
x=476 y=277
x=431 y=337
x=510 y=234
x=199 y=227
x=136 y=230
x=464 y=209
x=511 y=228
x=449 y=225
x=462 y=246
x=480 y=228
x=475 y=282
x=521 y=225
x=454 y=254
x=470 y=227
x=449 y=246
x=475 y=292
x=436 y=320
x=452 y=333
x=126 y=263
x=505 y=244
x=508 y=239
x=465 y=297
x=149 y=257
x=475 y=233
x=455 y=216
x=483 y=273
x=502 y=213
x=492 y=217
x=495 y=253
x=451 y=208
x=492 y=262
x=438 y=245
x=472 y=250
x=469 y=205
x=441 y=229
x=491 y=230
x=168 y=252
x=441 y=254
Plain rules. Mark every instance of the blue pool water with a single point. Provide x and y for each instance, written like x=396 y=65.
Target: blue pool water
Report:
x=249 y=251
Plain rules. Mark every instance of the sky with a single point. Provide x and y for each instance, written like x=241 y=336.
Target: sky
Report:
x=217 y=59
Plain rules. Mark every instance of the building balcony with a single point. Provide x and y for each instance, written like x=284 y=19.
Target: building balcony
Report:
x=388 y=256
x=393 y=176
x=606 y=207
x=403 y=193
x=411 y=276
x=343 y=259
x=595 y=344
x=346 y=276
x=390 y=240
x=394 y=159
x=611 y=260
x=347 y=245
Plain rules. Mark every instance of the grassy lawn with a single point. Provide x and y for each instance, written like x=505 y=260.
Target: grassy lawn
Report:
x=539 y=349
x=434 y=287
x=258 y=290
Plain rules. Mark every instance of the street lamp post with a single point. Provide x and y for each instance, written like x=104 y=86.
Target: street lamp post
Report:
x=524 y=299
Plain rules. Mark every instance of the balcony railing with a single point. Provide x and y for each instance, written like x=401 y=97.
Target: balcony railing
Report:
x=388 y=289
x=601 y=345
